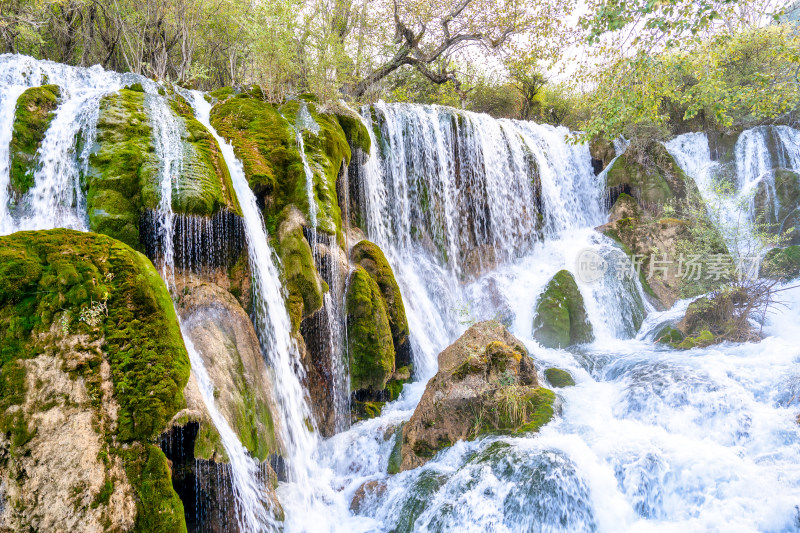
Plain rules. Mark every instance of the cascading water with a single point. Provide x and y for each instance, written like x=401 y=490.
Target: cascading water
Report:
x=650 y=438
x=56 y=198
x=475 y=215
x=254 y=510
x=758 y=154
x=270 y=316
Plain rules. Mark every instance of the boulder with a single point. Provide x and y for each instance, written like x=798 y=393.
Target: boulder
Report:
x=561 y=319
x=93 y=369
x=559 y=378
x=486 y=383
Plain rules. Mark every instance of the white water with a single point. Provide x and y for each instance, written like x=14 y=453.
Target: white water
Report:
x=753 y=170
x=254 y=510
x=57 y=198
x=650 y=439
x=307 y=496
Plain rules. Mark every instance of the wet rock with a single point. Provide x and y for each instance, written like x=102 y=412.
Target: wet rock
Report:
x=224 y=337
x=370 y=491
x=559 y=378
x=561 y=319
x=371 y=258
x=369 y=335
x=486 y=383
x=93 y=369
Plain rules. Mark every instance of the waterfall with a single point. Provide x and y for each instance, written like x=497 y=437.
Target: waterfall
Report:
x=167 y=136
x=757 y=154
x=254 y=510
x=269 y=314
x=56 y=199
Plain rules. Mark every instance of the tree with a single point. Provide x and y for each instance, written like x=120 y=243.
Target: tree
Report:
x=425 y=32
x=528 y=80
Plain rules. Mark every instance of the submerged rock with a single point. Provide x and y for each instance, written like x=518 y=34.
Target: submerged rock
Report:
x=559 y=378
x=561 y=319
x=486 y=383
x=93 y=368
x=34 y=113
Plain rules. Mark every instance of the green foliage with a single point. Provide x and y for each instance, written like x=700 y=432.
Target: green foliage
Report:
x=34 y=112
x=781 y=263
x=734 y=79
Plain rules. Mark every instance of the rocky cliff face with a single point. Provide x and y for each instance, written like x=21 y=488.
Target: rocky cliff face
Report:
x=486 y=383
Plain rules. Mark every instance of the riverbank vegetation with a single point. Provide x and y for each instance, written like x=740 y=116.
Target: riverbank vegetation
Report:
x=601 y=67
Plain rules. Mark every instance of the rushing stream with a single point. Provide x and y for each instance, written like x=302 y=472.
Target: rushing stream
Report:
x=475 y=216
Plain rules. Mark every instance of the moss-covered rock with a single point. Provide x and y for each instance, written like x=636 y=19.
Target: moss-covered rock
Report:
x=561 y=319
x=204 y=184
x=651 y=184
x=559 y=378
x=355 y=131
x=100 y=311
x=123 y=169
x=303 y=282
x=669 y=335
x=369 y=334
x=781 y=263
x=486 y=384
x=34 y=113
x=371 y=258
x=264 y=139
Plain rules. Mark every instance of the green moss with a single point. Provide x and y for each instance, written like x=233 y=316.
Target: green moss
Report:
x=300 y=272
x=365 y=410
x=649 y=182
x=123 y=170
x=208 y=444
x=265 y=141
x=34 y=112
x=369 y=335
x=51 y=276
x=355 y=132
x=204 y=185
x=669 y=335
x=396 y=457
x=136 y=87
x=559 y=378
x=371 y=258
x=540 y=410
x=560 y=314
x=704 y=338
x=158 y=506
